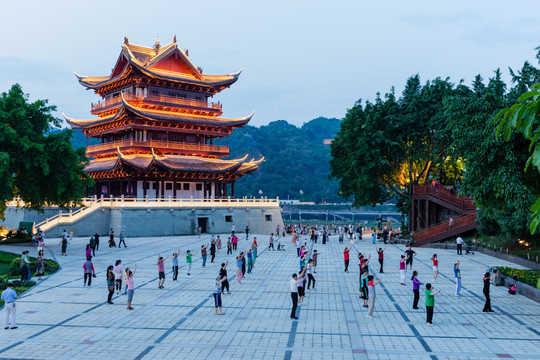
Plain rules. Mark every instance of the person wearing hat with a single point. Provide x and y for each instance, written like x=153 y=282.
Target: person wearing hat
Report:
x=122 y=239
x=9 y=296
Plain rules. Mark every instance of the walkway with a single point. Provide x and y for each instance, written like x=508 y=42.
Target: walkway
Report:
x=61 y=319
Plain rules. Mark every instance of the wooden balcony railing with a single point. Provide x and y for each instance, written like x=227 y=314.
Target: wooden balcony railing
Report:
x=156 y=98
x=442 y=193
x=158 y=144
x=445 y=226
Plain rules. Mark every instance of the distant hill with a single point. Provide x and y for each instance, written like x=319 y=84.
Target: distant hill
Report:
x=295 y=159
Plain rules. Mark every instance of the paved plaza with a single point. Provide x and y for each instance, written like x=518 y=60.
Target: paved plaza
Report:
x=61 y=319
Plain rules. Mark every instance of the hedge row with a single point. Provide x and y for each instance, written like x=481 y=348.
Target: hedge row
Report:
x=529 y=277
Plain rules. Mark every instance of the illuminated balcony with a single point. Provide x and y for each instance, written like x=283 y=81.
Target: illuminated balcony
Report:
x=165 y=147
x=159 y=102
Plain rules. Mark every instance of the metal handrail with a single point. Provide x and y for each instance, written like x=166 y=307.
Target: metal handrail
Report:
x=465 y=203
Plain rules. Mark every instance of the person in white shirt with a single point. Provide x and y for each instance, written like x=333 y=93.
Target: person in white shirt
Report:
x=459 y=242
x=298 y=246
x=9 y=296
x=294 y=292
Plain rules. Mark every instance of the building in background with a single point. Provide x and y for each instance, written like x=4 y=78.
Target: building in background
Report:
x=156 y=128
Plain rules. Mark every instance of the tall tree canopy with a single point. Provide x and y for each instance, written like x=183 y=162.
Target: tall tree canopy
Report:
x=385 y=147
x=37 y=166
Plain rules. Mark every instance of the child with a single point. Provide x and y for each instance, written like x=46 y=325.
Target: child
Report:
x=130 y=286
x=161 y=270
x=435 y=266
x=372 y=294
x=271 y=242
x=430 y=303
x=364 y=287
x=416 y=289
x=118 y=273
x=402 y=269
x=88 y=271
x=175 y=264
x=217 y=294
x=346 y=258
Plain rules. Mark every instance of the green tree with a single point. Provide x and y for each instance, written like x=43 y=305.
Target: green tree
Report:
x=493 y=175
x=39 y=167
x=385 y=147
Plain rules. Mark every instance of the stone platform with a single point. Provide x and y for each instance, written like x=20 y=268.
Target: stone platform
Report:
x=61 y=319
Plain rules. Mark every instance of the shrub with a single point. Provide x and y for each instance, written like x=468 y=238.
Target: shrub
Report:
x=529 y=277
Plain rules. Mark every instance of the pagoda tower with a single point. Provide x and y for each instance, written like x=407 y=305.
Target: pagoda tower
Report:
x=156 y=128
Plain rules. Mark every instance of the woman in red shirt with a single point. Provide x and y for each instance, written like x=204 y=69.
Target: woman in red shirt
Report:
x=346 y=258
x=435 y=266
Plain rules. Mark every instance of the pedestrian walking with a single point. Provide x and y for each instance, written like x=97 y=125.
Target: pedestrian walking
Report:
x=88 y=250
x=110 y=283
x=218 y=243
x=130 y=286
x=93 y=245
x=435 y=266
x=9 y=296
x=175 y=264
x=416 y=289
x=89 y=271
x=118 y=274
x=247 y=233
x=271 y=242
x=122 y=239
x=430 y=303
x=64 y=243
x=161 y=270
x=217 y=295
x=372 y=294
x=223 y=275
x=346 y=258
x=380 y=252
x=234 y=240
x=249 y=261
x=96 y=238
x=298 y=244
x=487 y=281
x=457 y=276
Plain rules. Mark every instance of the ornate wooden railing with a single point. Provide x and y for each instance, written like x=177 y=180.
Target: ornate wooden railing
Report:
x=158 y=144
x=156 y=98
x=445 y=226
x=442 y=193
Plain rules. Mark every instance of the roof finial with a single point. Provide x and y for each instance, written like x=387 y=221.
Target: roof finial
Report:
x=186 y=52
x=174 y=39
x=126 y=40
x=157 y=45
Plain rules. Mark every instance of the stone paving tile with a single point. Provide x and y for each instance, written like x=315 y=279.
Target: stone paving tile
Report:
x=63 y=319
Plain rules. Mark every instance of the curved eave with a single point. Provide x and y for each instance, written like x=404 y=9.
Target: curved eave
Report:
x=106 y=165
x=233 y=167
x=91 y=82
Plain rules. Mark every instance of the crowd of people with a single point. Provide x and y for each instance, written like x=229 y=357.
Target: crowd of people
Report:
x=303 y=239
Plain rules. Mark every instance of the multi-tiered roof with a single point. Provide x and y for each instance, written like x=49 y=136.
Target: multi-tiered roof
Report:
x=155 y=115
